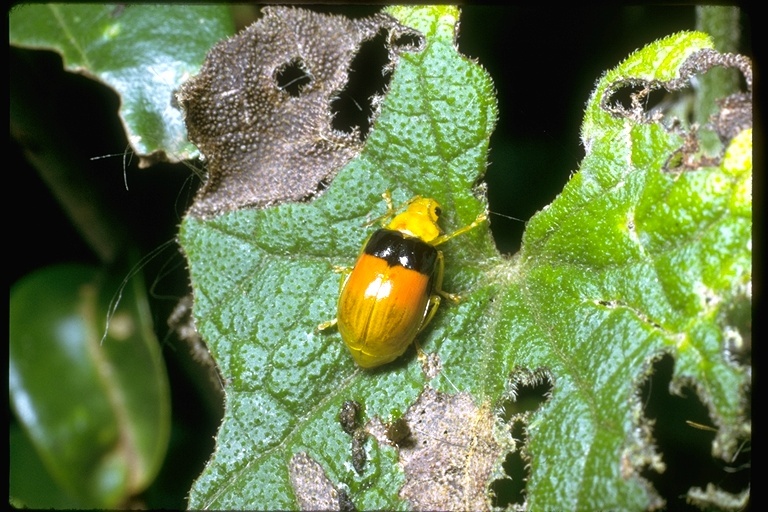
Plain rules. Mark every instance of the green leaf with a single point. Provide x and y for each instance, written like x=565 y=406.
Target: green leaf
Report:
x=139 y=51
x=31 y=486
x=98 y=413
x=630 y=262
x=264 y=280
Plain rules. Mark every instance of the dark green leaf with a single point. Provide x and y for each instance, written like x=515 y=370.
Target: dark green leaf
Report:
x=31 y=486
x=98 y=413
x=140 y=51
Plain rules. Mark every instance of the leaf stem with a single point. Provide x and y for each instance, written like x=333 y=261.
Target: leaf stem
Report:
x=722 y=23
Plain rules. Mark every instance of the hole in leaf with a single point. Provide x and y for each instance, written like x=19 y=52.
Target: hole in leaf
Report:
x=683 y=433
x=407 y=42
x=736 y=324
x=527 y=390
x=292 y=77
x=641 y=101
x=510 y=490
x=451 y=452
x=312 y=487
x=354 y=108
x=672 y=102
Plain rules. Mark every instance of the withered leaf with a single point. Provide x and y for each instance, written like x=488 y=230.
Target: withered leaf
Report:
x=313 y=489
x=451 y=454
x=734 y=113
x=266 y=141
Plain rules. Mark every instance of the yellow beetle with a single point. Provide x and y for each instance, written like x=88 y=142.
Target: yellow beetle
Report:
x=395 y=287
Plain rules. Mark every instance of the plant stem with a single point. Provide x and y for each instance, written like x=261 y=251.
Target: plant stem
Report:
x=722 y=23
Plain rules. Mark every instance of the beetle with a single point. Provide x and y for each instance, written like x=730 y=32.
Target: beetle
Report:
x=395 y=287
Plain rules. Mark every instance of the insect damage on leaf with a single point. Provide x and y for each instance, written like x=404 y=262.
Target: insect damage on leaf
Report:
x=732 y=116
x=260 y=108
x=713 y=498
x=735 y=320
x=313 y=489
x=350 y=423
x=450 y=454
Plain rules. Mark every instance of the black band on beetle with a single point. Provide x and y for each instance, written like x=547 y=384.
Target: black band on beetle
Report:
x=397 y=248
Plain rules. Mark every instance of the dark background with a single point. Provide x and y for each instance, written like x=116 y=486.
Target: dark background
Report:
x=544 y=62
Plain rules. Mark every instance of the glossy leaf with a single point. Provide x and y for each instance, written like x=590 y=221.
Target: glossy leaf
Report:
x=98 y=413
x=142 y=52
x=31 y=486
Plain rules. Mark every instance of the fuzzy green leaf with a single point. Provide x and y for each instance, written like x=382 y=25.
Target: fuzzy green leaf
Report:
x=264 y=280
x=628 y=263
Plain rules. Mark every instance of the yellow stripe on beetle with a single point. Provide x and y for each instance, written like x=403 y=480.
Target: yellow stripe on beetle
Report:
x=395 y=287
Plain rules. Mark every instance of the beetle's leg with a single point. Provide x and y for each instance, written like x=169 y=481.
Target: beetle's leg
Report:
x=420 y=354
x=391 y=210
x=326 y=325
x=439 y=268
x=478 y=220
x=345 y=272
x=435 y=298
x=432 y=306
x=451 y=296
x=382 y=219
x=387 y=196
x=341 y=269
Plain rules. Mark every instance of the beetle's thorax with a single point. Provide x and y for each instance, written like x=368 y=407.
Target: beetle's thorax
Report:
x=419 y=220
